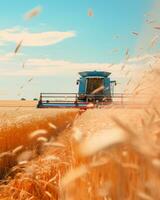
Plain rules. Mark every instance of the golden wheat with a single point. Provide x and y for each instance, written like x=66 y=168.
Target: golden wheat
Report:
x=110 y=154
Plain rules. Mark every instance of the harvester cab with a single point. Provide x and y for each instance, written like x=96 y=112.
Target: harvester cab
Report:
x=95 y=88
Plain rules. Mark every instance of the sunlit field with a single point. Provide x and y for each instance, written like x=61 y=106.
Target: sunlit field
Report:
x=17 y=122
x=110 y=154
x=100 y=60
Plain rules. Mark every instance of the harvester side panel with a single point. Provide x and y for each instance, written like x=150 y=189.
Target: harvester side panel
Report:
x=107 y=87
x=82 y=86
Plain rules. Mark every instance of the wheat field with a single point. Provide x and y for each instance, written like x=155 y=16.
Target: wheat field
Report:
x=99 y=154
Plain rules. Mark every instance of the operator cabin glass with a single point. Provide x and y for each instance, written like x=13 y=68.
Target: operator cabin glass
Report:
x=94 y=86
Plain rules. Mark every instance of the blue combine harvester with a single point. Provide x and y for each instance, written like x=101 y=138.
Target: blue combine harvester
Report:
x=95 y=88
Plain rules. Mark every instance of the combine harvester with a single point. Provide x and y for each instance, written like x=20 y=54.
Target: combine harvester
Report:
x=95 y=90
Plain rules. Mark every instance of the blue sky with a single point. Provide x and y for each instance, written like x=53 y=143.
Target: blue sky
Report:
x=82 y=40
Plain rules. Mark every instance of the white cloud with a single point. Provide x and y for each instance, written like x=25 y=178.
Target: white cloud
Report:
x=9 y=57
x=14 y=35
x=46 y=67
x=145 y=58
x=38 y=67
x=50 y=67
